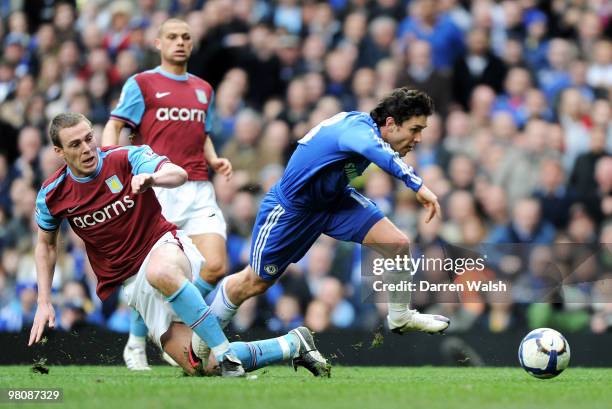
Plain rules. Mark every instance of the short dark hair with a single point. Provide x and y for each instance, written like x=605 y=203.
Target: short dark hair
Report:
x=64 y=120
x=401 y=105
x=163 y=25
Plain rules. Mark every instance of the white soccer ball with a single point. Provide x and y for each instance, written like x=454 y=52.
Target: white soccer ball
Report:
x=544 y=353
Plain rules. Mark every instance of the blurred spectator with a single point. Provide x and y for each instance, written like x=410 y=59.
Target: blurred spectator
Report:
x=599 y=202
x=27 y=165
x=118 y=38
x=377 y=45
x=495 y=205
x=527 y=226
x=242 y=151
x=518 y=173
x=19 y=314
x=421 y=74
x=74 y=306
x=425 y=23
x=331 y=294
x=535 y=39
x=555 y=76
x=554 y=194
x=599 y=73
x=431 y=151
x=13 y=110
x=286 y=315
x=513 y=100
x=297 y=107
x=481 y=104
x=354 y=31
x=261 y=65
x=462 y=171
x=317 y=316
x=274 y=143
x=228 y=104
x=573 y=119
x=478 y=66
x=338 y=70
x=582 y=179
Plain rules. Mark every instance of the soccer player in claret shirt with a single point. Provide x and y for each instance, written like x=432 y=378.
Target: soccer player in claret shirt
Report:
x=313 y=198
x=105 y=195
x=171 y=111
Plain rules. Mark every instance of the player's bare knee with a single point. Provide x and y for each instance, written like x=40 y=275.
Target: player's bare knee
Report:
x=164 y=276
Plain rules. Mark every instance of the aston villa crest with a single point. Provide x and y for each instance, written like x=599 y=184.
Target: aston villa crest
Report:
x=114 y=184
x=201 y=96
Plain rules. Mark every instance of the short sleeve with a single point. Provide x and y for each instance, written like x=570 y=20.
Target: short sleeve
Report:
x=131 y=105
x=44 y=218
x=144 y=160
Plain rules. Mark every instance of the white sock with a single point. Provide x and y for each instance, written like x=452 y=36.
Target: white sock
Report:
x=136 y=341
x=222 y=307
x=398 y=302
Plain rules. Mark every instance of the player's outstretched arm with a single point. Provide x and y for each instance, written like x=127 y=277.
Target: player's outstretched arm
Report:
x=168 y=176
x=430 y=201
x=363 y=141
x=45 y=255
x=219 y=165
x=112 y=130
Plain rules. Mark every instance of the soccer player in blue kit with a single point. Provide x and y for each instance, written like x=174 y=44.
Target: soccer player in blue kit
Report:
x=313 y=198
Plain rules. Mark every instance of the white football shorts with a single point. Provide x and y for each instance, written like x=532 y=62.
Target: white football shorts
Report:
x=193 y=208
x=149 y=302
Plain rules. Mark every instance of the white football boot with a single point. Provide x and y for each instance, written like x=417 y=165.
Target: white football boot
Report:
x=413 y=320
x=135 y=358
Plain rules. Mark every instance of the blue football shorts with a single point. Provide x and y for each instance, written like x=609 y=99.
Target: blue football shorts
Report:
x=282 y=236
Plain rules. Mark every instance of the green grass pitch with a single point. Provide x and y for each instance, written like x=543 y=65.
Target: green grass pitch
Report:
x=350 y=387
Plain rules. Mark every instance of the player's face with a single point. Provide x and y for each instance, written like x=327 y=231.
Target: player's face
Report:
x=79 y=149
x=405 y=137
x=175 y=43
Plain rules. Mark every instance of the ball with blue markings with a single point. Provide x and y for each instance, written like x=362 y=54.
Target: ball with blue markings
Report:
x=544 y=353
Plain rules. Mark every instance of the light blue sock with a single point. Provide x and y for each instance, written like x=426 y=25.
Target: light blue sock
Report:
x=138 y=327
x=257 y=354
x=189 y=305
x=204 y=286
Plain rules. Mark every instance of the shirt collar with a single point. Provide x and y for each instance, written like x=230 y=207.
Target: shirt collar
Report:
x=183 y=77
x=91 y=177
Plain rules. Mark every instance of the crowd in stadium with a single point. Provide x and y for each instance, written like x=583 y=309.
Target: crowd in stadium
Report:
x=519 y=150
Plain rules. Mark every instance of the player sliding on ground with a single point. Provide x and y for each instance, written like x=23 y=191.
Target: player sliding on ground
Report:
x=313 y=198
x=105 y=195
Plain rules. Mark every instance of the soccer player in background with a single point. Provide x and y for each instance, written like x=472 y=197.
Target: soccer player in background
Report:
x=313 y=198
x=171 y=111
x=104 y=194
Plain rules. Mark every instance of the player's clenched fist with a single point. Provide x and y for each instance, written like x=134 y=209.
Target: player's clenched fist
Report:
x=142 y=182
x=44 y=314
x=221 y=166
